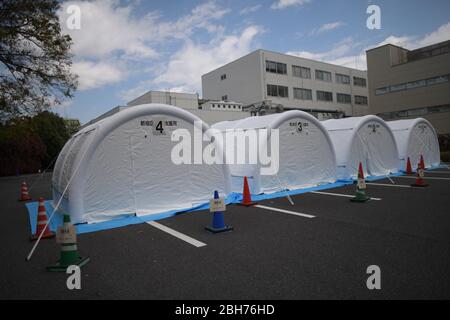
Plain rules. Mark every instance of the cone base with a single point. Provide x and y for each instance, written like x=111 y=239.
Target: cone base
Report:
x=44 y=236
x=218 y=230
x=423 y=185
x=58 y=267
x=360 y=199
x=247 y=204
x=25 y=199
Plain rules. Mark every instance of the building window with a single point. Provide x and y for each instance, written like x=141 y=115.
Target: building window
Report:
x=301 y=72
x=360 y=82
x=437 y=80
x=302 y=94
x=361 y=100
x=342 y=78
x=416 y=84
x=381 y=91
x=413 y=84
x=397 y=87
x=224 y=98
x=344 y=98
x=323 y=75
x=414 y=112
x=223 y=77
x=324 y=96
x=276 y=67
x=277 y=91
x=272 y=90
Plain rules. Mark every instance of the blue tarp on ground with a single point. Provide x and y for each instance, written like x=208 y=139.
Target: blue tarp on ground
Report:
x=56 y=221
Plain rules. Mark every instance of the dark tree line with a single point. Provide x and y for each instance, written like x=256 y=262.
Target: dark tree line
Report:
x=29 y=144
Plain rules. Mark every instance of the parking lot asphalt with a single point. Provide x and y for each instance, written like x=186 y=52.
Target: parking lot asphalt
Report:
x=269 y=255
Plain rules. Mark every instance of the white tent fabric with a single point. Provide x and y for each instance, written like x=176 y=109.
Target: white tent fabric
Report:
x=123 y=166
x=368 y=140
x=416 y=137
x=306 y=154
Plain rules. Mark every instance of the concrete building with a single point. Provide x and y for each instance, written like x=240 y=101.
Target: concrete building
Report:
x=104 y=115
x=209 y=111
x=226 y=106
x=178 y=99
x=212 y=111
x=289 y=82
x=411 y=83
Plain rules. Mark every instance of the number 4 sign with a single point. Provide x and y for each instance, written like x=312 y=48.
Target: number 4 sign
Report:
x=158 y=127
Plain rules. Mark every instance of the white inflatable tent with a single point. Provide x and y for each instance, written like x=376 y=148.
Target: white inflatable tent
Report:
x=368 y=140
x=306 y=154
x=416 y=137
x=123 y=166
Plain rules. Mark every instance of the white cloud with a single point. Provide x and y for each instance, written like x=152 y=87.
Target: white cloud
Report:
x=346 y=53
x=441 y=34
x=339 y=54
x=131 y=94
x=107 y=28
x=339 y=49
x=200 y=17
x=281 y=4
x=250 y=9
x=327 y=27
x=94 y=75
x=114 y=34
x=409 y=42
x=187 y=65
x=397 y=41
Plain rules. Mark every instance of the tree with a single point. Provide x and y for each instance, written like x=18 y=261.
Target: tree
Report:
x=35 y=58
x=29 y=144
x=22 y=150
x=53 y=132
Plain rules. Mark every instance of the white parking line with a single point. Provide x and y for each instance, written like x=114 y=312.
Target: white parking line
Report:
x=285 y=211
x=177 y=234
x=426 y=177
x=388 y=185
x=340 y=195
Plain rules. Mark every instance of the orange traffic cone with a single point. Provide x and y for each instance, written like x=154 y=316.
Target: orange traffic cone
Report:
x=408 y=167
x=24 y=196
x=422 y=163
x=420 y=182
x=246 y=196
x=41 y=223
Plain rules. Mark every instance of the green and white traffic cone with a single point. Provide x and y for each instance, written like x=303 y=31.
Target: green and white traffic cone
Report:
x=66 y=235
x=360 y=195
